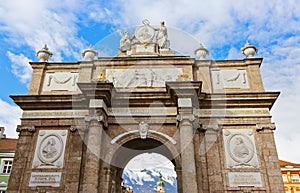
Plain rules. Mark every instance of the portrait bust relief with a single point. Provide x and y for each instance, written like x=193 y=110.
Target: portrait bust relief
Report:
x=240 y=150
x=50 y=148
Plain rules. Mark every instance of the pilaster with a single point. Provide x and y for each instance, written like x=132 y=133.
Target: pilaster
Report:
x=186 y=119
x=95 y=125
x=22 y=156
x=270 y=156
x=212 y=150
x=106 y=178
x=37 y=77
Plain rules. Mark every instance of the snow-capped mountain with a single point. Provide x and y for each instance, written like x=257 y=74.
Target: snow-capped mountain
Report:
x=144 y=181
x=142 y=173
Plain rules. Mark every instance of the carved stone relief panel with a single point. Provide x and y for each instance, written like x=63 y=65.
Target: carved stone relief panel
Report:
x=50 y=149
x=240 y=148
x=131 y=78
x=230 y=79
x=60 y=81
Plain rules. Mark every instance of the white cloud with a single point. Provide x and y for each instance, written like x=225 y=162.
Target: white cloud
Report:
x=234 y=54
x=9 y=118
x=272 y=27
x=148 y=161
x=286 y=114
x=55 y=23
x=20 y=67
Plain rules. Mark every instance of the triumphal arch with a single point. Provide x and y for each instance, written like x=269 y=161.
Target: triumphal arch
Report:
x=83 y=121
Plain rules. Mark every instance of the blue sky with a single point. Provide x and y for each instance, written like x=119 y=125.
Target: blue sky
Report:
x=70 y=26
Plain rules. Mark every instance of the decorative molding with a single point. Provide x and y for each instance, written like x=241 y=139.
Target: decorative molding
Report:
x=25 y=128
x=132 y=111
x=42 y=114
x=237 y=112
x=141 y=111
x=265 y=126
x=120 y=136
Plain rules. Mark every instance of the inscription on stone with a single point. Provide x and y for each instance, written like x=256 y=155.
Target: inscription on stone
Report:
x=237 y=179
x=155 y=111
x=45 y=179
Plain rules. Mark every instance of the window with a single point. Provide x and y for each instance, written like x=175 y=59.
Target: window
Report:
x=6 y=166
x=284 y=178
x=295 y=178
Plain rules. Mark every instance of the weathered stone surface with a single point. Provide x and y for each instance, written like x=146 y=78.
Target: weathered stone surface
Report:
x=197 y=123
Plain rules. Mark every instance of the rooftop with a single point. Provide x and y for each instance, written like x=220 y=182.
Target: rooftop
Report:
x=286 y=163
x=8 y=144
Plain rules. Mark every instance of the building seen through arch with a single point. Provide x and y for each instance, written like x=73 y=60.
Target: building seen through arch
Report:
x=84 y=121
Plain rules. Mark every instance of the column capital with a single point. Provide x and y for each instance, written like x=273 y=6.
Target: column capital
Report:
x=98 y=118
x=211 y=127
x=79 y=128
x=25 y=128
x=265 y=126
x=189 y=117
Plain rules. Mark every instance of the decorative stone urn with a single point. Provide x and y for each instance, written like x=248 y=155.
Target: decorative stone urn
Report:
x=201 y=52
x=44 y=54
x=89 y=54
x=249 y=50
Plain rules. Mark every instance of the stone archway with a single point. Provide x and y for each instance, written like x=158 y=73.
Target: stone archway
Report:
x=134 y=147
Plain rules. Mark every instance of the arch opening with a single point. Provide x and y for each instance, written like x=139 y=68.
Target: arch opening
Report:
x=151 y=156
x=142 y=174
x=138 y=146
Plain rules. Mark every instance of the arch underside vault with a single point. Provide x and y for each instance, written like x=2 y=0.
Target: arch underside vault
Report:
x=136 y=147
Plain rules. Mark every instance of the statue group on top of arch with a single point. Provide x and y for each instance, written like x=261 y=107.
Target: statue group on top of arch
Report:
x=145 y=34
